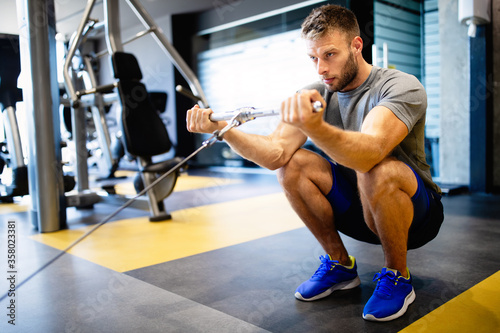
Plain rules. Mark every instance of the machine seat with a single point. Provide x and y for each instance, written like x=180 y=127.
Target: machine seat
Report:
x=144 y=133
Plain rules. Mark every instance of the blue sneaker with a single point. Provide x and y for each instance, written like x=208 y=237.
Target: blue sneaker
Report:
x=329 y=277
x=391 y=297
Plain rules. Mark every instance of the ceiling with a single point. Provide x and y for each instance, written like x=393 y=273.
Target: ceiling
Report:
x=69 y=12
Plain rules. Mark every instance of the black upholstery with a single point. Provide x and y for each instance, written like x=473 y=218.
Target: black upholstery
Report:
x=144 y=133
x=10 y=68
x=159 y=100
x=126 y=67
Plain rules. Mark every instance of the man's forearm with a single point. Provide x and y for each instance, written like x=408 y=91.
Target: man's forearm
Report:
x=355 y=150
x=259 y=149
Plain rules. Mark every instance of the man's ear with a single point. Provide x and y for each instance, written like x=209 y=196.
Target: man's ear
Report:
x=357 y=44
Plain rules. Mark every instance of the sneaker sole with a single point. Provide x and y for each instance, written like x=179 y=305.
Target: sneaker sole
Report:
x=339 y=286
x=408 y=300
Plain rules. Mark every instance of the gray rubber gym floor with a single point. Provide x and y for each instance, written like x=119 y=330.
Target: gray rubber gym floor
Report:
x=247 y=287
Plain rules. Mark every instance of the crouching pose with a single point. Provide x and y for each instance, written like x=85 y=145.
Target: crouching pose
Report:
x=375 y=185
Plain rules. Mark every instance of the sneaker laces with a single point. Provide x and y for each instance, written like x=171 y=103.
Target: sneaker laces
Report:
x=386 y=282
x=326 y=265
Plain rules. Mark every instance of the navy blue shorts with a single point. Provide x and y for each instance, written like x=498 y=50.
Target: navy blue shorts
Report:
x=344 y=199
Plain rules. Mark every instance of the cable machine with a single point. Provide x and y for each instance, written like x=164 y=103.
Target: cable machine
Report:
x=42 y=98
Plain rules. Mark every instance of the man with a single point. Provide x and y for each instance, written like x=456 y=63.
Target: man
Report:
x=377 y=187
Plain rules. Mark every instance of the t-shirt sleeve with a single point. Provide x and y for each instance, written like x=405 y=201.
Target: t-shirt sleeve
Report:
x=405 y=96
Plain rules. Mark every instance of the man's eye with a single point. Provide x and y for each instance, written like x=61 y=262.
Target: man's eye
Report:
x=313 y=58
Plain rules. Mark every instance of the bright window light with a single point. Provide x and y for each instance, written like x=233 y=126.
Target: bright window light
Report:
x=258 y=73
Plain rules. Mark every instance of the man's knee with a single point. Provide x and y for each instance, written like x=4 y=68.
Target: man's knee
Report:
x=378 y=175
x=388 y=175
x=305 y=165
x=289 y=172
x=296 y=166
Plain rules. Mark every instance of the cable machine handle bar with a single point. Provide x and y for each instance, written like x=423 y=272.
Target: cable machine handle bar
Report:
x=252 y=113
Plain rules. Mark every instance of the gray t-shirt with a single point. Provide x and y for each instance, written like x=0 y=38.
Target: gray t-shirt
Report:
x=401 y=93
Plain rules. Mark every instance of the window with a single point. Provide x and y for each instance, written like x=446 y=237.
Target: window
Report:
x=257 y=73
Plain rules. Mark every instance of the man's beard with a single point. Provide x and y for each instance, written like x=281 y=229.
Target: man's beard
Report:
x=350 y=72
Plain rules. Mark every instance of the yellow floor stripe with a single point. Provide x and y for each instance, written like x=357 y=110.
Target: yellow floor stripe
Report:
x=21 y=205
x=184 y=183
x=135 y=243
x=475 y=310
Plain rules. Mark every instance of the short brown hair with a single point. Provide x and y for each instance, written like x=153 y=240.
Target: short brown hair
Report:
x=329 y=18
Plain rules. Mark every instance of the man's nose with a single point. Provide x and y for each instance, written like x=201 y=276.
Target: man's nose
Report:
x=321 y=67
